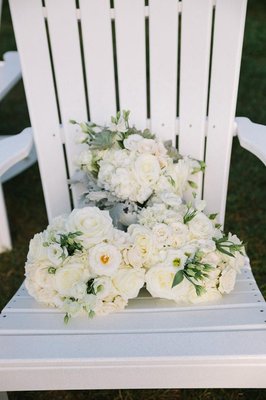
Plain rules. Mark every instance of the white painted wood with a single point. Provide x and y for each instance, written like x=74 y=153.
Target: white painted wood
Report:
x=226 y=58
x=97 y=41
x=131 y=59
x=176 y=320
x=13 y=151
x=10 y=72
x=5 y=238
x=163 y=34
x=184 y=360
x=14 y=148
x=38 y=81
x=66 y=53
x=194 y=77
x=252 y=137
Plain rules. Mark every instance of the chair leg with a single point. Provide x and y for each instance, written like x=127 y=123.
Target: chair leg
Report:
x=3 y=396
x=5 y=239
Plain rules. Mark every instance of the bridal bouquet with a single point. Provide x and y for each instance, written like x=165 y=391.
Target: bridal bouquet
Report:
x=187 y=257
x=82 y=264
x=77 y=265
x=132 y=165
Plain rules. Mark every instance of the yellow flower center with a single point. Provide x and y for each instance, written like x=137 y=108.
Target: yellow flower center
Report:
x=105 y=259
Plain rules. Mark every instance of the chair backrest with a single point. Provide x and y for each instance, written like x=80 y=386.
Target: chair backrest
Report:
x=174 y=64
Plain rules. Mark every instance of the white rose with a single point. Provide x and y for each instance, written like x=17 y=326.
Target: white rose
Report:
x=72 y=308
x=180 y=291
x=180 y=234
x=37 y=251
x=47 y=296
x=56 y=254
x=104 y=308
x=211 y=295
x=104 y=259
x=131 y=143
x=58 y=224
x=147 y=169
x=78 y=290
x=159 y=280
x=95 y=225
x=162 y=233
x=134 y=257
x=90 y=302
x=72 y=273
x=147 y=146
x=143 y=193
x=227 y=280
x=143 y=240
x=103 y=287
x=201 y=227
x=171 y=199
x=205 y=245
x=38 y=274
x=212 y=258
x=129 y=281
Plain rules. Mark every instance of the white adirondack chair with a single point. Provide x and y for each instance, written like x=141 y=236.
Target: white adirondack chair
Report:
x=16 y=152
x=10 y=71
x=153 y=344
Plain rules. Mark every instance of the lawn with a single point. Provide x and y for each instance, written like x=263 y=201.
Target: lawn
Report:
x=246 y=205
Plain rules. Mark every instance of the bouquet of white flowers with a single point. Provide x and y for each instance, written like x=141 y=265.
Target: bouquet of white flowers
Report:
x=77 y=265
x=187 y=257
x=82 y=263
x=133 y=165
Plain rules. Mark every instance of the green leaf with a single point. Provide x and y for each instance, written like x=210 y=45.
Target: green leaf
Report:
x=90 y=287
x=178 y=278
x=91 y=314
x=66 y=318
x=51 y=270
x=200 y=290
x=213 y=216
x=193 y=184
x=190 y=214
x=103 y=140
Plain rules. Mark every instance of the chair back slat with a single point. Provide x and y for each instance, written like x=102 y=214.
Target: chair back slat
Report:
x=66 y=54
x=139 y=45
x=99 y=60
x=31 y=37
x=194 y=78
x=227 y=47
x=163 y=45
x=131 y=58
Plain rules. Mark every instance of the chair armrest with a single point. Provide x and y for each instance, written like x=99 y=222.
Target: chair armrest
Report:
x=14 y=149
x=252 y=137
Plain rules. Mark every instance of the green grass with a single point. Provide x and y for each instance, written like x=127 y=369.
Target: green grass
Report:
x=246 y=206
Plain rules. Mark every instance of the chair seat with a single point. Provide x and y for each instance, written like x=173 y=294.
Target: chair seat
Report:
x=10 y=72
x=128 y=348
